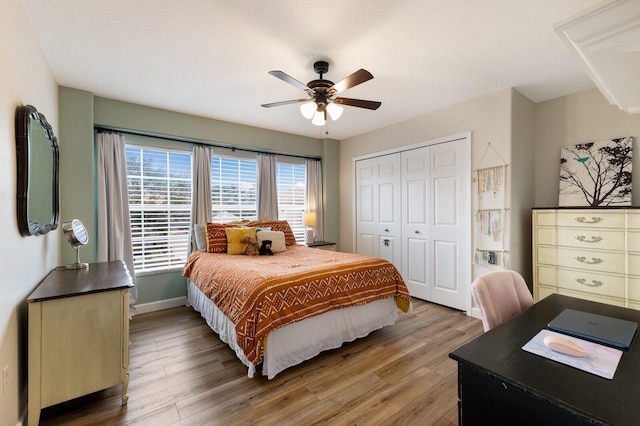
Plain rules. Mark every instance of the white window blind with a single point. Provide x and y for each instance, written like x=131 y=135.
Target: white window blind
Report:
x=292 y=191
x=233 y=189
x=159 y=184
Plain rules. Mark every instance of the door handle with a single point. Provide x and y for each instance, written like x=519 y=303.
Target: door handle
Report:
x=386 y=242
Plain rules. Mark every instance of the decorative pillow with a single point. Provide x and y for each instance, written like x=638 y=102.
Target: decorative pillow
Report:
x=277 y=225
x=216 y=237
x=276 y=237
x=258 y=229
x=234 y=246
x=200 y=236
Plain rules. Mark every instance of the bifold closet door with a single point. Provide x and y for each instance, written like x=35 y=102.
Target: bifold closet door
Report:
x=416 y=199
x=450 y=227
x=413 y=208
x=436 y=219
x=378 y=207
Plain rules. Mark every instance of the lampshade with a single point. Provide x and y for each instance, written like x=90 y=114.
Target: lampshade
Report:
x=318 y=118
x=307 y=109
x=309 y=218
x=334 y=110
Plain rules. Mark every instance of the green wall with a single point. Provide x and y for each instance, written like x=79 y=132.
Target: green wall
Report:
x=80 y=111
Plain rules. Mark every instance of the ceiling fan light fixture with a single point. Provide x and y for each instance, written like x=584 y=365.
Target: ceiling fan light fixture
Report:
x=307 y=109
x=318 y=118
x=334 y=110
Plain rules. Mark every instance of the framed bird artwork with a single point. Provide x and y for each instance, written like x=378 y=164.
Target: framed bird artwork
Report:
x=596 y=174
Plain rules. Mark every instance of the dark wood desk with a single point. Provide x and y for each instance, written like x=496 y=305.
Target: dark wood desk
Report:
x=500 y=384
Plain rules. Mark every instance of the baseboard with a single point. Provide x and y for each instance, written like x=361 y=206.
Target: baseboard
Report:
x=160 y=305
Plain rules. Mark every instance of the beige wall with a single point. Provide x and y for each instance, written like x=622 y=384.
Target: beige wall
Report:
x=486 y=117
x=25 y=78
x=504 y=119
x=582 y=117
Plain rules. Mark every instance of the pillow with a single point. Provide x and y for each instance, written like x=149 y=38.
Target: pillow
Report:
x=200 y=236
x=277 y=225
x=258 y=229
x=216 y=237
x=277 y=240
x=234 y=246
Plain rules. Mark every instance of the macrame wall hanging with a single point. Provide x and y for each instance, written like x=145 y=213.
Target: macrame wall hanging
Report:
x=491 y=212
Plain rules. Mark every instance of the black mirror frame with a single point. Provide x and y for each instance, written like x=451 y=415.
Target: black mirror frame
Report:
x=24 y=115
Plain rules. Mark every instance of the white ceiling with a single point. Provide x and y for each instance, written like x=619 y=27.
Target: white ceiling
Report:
x=211 y=57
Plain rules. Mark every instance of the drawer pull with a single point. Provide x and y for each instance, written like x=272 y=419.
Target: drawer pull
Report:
x=583 y=239
x=594 y=260
x=594 y=219
x=594 y=283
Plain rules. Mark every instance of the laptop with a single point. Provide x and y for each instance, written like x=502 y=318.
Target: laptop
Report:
x=597 y=328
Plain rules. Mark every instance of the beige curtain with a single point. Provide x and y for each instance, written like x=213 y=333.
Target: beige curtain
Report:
x=200 y=188
x=315 y=196
x=267 y=187
x=114 y=225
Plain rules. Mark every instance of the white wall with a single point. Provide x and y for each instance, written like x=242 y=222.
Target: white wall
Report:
x=25 y=78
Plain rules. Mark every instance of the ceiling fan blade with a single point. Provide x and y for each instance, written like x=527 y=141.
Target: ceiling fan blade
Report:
x=354 y=79
x=288 y=79
x=293 y=101
x=358 y=103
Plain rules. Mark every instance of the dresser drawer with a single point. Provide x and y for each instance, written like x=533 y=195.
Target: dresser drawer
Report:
x=546 y=236
x=634 y=264
x=547 y=255
x=591 y=238
x=590 y=282
x=633 y=241
x=591 y=219
x=633 y=220
x=593 y=297
x=634 y=289
x=545 y=218
x=547 y=275
x=591 y=260
x=541 y=292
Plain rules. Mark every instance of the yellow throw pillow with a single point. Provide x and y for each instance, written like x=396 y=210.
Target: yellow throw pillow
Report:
x=234 y=246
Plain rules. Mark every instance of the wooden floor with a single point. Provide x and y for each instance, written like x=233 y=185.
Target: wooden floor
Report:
x=182 y=374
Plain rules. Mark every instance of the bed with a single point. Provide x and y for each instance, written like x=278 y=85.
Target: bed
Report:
x=277 y=311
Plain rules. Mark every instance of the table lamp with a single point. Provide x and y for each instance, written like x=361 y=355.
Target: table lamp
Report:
x=309 y=220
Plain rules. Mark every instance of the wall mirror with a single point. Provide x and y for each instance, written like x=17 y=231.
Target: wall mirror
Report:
x=38 y=161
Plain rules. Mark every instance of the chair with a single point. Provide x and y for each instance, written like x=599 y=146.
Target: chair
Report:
x=500 y=295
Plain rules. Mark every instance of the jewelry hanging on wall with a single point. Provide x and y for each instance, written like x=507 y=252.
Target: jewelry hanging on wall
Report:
x=490 y=179
x=490 y=223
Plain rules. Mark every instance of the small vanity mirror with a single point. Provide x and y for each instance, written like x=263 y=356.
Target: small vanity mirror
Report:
x=38 y=160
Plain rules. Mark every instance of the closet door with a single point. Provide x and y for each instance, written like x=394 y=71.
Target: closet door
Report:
x=416 y=199
x=378 y=220
x=450 y=228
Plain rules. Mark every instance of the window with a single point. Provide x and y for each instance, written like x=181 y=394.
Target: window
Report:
x=292 y=190
x=233 y=189
x=159 y=185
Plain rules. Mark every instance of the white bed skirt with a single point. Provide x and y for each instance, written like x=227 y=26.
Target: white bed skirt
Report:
x=300 y=341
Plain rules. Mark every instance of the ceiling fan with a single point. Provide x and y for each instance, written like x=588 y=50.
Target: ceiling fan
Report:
x=322 y=93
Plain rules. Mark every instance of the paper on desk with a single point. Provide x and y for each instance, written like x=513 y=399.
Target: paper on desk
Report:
x=600 y=360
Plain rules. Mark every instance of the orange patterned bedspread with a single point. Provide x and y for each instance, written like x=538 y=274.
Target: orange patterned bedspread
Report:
x=261 y=293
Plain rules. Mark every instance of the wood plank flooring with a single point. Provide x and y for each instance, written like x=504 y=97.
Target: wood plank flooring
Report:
x=182 y=374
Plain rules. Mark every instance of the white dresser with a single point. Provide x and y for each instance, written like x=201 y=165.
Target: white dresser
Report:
x=592 y=254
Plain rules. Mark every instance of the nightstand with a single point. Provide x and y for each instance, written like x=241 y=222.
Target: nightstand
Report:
x=78 y=334
x=322 y=245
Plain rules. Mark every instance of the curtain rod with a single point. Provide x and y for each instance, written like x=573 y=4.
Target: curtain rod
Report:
x=201 y=142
